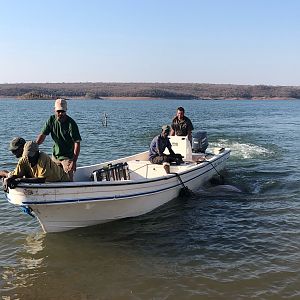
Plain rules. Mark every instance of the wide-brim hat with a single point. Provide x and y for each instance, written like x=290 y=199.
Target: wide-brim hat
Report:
x=16 y=143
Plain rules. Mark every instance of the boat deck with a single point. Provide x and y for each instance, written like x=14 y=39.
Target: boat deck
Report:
x=138 y=168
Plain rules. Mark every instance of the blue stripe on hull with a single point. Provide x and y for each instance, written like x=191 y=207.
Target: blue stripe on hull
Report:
x=116 y=196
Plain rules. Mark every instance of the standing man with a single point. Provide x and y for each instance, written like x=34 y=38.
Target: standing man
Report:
x=182 y=125
x=65 y=134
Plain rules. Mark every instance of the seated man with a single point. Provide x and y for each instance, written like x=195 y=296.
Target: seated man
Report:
x=35 y=167
x=157 y=148
x=16 y=147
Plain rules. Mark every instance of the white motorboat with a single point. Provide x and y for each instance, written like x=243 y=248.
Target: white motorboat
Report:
x=126 y=187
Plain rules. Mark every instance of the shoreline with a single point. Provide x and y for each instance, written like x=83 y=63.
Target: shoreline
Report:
x=147 y=91
x=148 y=98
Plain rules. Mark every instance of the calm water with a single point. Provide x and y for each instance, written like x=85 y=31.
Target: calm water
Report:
x=219 y=244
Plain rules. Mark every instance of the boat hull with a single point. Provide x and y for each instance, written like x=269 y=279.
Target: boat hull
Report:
x=66 y=206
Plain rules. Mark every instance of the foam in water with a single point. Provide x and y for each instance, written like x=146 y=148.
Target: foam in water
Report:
x=219 y=190
x=243 y=150
x=225 y=188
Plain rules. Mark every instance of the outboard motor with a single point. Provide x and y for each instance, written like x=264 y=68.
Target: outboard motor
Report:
x=199 y=142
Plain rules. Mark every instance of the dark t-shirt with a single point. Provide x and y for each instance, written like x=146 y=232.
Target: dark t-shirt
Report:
x=64 y=135
x=182 y=127
x=158 y=146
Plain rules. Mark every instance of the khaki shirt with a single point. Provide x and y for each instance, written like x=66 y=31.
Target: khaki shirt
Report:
x=45 y=168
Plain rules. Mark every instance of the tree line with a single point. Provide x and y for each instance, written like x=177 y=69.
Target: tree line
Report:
x=96 y=90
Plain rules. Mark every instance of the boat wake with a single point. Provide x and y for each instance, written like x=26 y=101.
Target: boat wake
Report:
x=243 y=150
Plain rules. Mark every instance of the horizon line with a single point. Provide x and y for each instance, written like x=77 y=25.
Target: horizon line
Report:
x=145 y=82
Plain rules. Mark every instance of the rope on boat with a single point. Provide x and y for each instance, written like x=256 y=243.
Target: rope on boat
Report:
x=222 y=179
x=130 y=171
x=185 y=191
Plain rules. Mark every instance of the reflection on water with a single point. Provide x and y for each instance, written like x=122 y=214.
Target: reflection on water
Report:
x=213 y=244
x=27 y=266
x=34 y=244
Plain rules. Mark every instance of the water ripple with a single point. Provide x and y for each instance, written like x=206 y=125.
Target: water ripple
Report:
x=239 y=241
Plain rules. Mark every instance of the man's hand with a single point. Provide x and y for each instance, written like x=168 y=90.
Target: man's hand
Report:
x=3 y=173
x=72 y=166
x=4 y=185
x=9 y=183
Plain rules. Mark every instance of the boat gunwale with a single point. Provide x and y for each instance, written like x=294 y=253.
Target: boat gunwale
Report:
x=82 y=184
x=114 y=197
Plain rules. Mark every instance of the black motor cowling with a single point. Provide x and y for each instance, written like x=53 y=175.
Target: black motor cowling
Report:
x=199 y=142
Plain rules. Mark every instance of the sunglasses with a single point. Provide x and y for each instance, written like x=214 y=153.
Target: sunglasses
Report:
x=60 y=111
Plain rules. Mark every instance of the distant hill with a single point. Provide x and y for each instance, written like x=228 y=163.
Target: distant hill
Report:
x=96 y=90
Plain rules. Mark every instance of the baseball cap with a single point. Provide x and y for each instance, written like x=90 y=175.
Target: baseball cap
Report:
x=60 y=104
x=165 y=128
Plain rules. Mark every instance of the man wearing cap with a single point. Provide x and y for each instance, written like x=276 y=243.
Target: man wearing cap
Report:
x=65 y=134
x=16 y=147
x=157 y=148
x=182 y=125
x=35 y=167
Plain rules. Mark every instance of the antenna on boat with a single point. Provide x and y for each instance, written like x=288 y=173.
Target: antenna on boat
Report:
x=104 y=120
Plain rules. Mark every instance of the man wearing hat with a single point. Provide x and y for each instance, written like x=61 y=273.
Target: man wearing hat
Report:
x=158 y=146
x=65 y=134
x=16 y=147
x=35 y=167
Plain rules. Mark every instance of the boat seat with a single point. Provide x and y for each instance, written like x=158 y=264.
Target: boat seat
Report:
x=138 y=169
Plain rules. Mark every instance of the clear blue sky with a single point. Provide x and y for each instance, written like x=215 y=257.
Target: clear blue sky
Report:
x=212 y=41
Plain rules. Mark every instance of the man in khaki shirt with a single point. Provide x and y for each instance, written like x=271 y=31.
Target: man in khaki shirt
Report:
x=16 y=147
x=35 y=167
